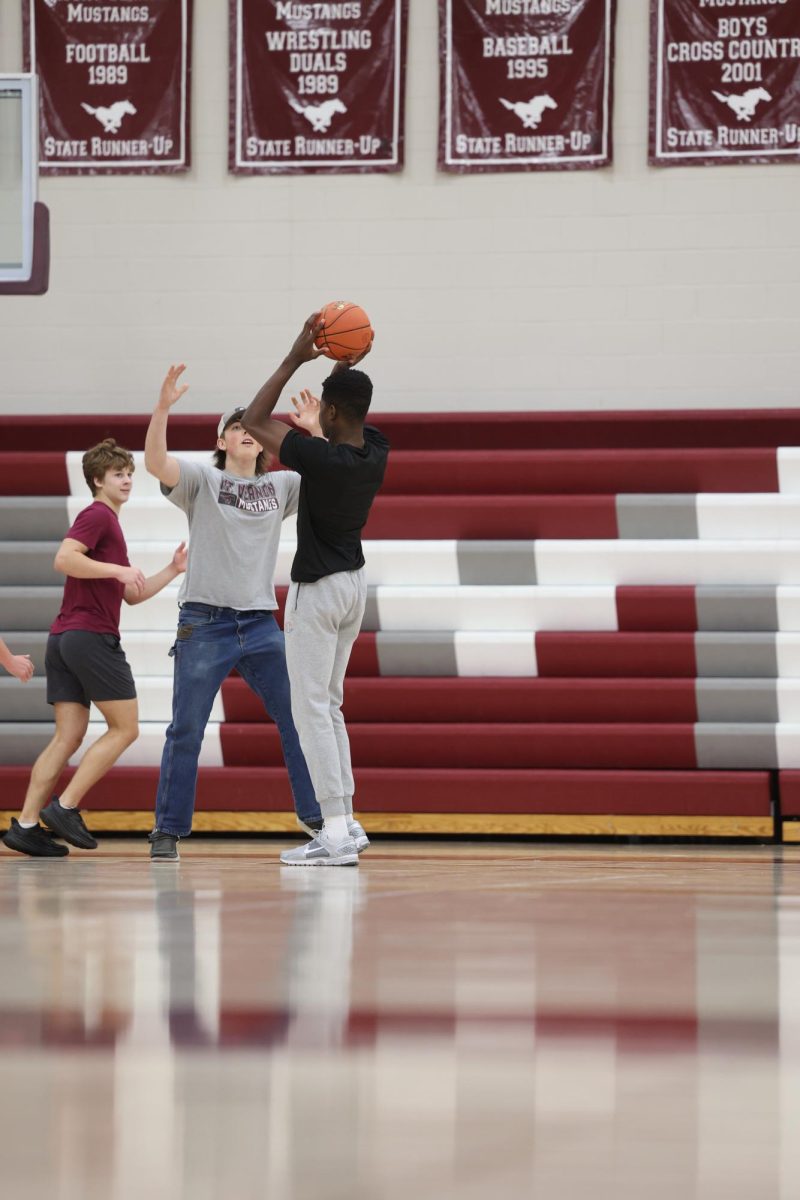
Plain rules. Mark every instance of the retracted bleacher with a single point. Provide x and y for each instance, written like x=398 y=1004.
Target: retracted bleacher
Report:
x=580 y=624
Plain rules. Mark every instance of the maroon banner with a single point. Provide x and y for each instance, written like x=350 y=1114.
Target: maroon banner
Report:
x=113 y=85
x=317 y=85
x=525 y=84
x=724 y=81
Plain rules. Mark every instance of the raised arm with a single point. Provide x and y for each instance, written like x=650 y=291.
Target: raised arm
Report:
x=156 y=459
x=306 y=413
x=257 y=420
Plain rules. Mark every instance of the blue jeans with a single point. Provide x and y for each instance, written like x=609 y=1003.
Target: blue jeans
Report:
x=210 y=643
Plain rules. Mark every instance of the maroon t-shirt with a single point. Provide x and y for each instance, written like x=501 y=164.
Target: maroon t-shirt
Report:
x=94 y=604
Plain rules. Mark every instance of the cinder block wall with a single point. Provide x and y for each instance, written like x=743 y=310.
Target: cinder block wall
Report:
x=624 y=288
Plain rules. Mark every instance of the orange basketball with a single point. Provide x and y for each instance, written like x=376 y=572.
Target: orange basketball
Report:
x=346 y=331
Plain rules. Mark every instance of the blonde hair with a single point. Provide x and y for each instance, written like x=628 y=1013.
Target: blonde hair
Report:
x=105 y=456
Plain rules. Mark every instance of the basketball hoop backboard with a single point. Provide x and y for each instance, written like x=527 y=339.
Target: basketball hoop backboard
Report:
x=24 y=251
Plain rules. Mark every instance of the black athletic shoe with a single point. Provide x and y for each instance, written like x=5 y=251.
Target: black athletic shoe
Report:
x=163 y=847
x=312 y=828
x=68 y=824
x=37 y=842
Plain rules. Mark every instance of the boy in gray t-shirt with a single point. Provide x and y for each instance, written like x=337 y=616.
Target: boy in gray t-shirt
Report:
x=235 y=528
x=227 y=601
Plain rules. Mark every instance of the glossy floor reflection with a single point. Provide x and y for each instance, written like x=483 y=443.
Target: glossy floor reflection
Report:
x=448 y=1021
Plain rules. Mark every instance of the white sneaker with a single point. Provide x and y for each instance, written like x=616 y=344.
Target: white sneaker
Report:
x=354 y=828
x=322 y=852
x=357 y=833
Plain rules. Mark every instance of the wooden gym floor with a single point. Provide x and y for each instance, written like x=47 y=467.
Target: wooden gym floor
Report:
x=477 y=1021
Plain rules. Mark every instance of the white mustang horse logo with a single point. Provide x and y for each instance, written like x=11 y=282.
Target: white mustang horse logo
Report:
x=744 y=106
x=530 y=111
x=111 y=118
x=320 y=115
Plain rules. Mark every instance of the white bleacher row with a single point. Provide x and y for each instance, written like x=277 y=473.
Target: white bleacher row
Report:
x=720 y=517
x=477 y=653
x=789 y=468
x=472 y=607
x=149 y=518
x=147 y=749
x=555 y=563
x=738 y=515
x=504 y=653
x=668 y=562
x=463 y=607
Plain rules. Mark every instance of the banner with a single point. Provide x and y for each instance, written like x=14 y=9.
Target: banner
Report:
x=724 y=81
x=113 y=85
x=525 y=84
x=317 y=85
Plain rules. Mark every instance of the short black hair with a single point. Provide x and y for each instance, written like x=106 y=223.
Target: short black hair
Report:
x=351 y=391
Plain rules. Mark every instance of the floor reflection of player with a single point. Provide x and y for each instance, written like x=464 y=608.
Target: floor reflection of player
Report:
x=320 y=954
x=177 y=947
x=82 y=979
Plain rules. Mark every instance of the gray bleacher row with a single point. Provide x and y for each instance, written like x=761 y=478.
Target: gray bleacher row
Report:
x=34 y=518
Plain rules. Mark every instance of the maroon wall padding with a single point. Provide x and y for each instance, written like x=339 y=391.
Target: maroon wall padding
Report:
x=746 y=428
x=656 y=609
x=254 y=789
x=480 y=746
x=789 y=782
x=634 y=655
x=33 y=473
x=580 y=472
x=78 y=432
x=504 y=517
x=495 y=700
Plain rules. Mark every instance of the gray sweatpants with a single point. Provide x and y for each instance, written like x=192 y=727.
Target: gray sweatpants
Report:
x=321 y=624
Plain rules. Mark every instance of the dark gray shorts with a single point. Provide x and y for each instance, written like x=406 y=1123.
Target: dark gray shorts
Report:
x=83 y=666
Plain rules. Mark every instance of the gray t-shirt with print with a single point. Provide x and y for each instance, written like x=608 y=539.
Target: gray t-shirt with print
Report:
x=234 y=530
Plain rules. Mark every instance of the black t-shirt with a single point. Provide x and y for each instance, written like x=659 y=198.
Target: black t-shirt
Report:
x=337 y=486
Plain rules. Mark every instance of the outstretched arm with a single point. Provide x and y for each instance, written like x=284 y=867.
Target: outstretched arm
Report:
x=156 y=459
x=154 y=583
x=257 y=420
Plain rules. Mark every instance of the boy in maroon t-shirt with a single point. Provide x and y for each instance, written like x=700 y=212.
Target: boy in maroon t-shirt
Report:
x=84 y=662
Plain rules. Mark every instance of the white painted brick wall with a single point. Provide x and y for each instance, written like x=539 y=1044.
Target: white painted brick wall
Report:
x=624 y=288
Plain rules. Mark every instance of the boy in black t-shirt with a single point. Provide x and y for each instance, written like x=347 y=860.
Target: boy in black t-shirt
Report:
x=341 y=468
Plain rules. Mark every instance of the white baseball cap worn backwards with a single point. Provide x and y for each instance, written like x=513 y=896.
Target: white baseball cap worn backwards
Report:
x=227 y=418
